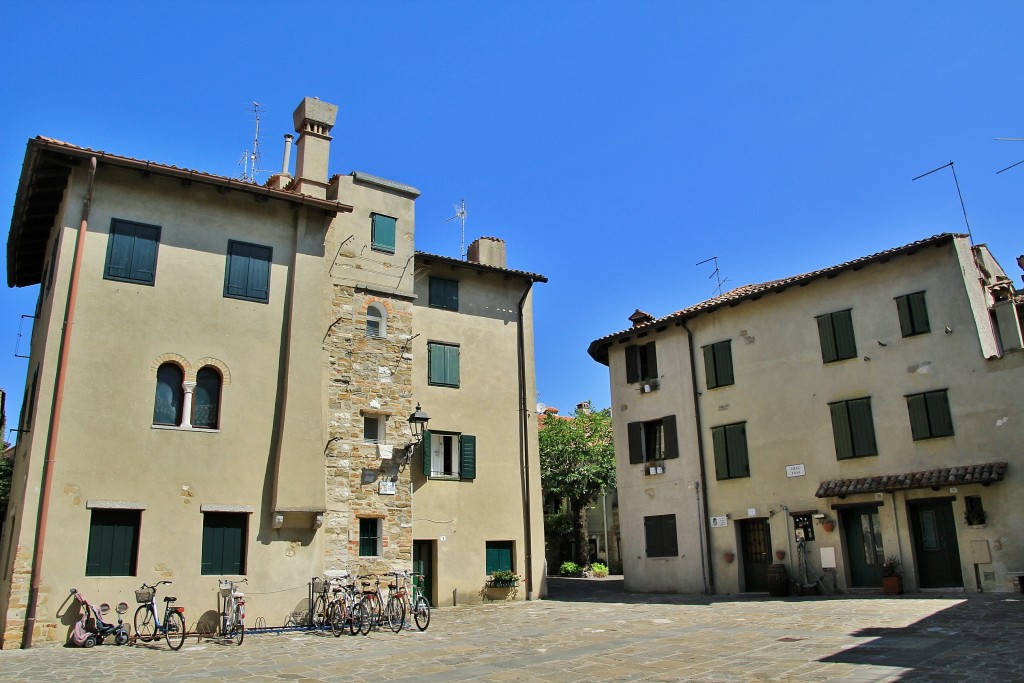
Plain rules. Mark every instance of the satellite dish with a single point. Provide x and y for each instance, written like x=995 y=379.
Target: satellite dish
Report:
x=541 y=408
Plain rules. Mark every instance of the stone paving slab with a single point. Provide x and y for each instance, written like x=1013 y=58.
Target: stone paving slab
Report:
x=602 y=634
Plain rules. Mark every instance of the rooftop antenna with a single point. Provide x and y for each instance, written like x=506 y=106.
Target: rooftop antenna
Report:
x=717 y=274
x=958 y=194
x=250 y=160
x=460 y=213
x=1011 y=165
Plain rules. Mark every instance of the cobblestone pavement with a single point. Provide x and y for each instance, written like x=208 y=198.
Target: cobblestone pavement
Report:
x=591 y=631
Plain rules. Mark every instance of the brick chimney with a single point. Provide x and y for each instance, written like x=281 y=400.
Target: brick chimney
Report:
x=313 y=121
x=487 y=251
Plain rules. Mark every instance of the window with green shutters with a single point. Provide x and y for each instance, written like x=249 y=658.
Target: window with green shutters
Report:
x=369 y=536
x=929 y=415
x=660 y=536
x=500 y=556
x=853 y=428
x=913 y=314
x=718 y=364
x=835 y=330
x=248 y=272
x=449 y=455
x=113 y=542
x=443 y=364
x=224 y=539
x=641 y=362
x=382 y=233
x=730 y=443
x=443 y=293
x=652 y=442
x=131 y=252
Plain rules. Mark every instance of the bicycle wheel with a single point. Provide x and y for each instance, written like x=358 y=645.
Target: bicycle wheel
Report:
x=237 y=627
x=145 y=623
x=421 y=611
x=337 y=619
x=366 y=605
x=394 y=613
x=357 y=617
x=174 y=630
x=319 y=615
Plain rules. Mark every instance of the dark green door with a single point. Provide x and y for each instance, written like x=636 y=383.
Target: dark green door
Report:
x=423 y=563
x=936 y=551
x=863 y=546
x=756 y=542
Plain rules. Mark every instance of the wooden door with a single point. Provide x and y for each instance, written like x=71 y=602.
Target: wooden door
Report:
x=756 y=542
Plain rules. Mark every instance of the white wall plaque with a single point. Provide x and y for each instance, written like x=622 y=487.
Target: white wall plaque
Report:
x=795 y=470
x=720 y=521
x=387 y=488
x=751 y=512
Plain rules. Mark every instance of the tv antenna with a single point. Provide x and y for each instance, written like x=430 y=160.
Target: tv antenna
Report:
x=717 y=274
x=1011 y=165
x=460 y=213
x=250 y=160
x=958 y=194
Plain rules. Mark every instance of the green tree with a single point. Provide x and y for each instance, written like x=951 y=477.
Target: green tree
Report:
x=577 y=462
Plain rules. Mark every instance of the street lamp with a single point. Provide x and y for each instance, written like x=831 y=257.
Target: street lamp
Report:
x=417 y=423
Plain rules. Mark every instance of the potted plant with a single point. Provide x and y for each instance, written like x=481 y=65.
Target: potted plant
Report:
x=504 y=578
x=892 y=576
x=828 y=524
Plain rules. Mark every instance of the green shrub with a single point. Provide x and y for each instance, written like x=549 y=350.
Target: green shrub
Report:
x=599 y=570
x=570 y=569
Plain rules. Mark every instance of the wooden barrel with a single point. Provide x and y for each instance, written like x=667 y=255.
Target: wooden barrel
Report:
x=778 y=580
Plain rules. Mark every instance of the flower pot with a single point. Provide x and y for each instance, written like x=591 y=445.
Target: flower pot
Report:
x=780 y=555
x=828 y=526
x=728 y=557
x=892 y=585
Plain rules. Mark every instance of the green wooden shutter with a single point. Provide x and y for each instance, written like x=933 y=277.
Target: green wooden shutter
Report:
x=143 y=260
x=939 y=418
x=918 y=417
x=723 y=362
x=635 y=433
x=237 y=280
x=498 y=556
x=452 y=373
x=841 y=430
x=467 y=457
x=119 y=252
x=736 y=443
x=919 y=313
x=383 y=233
x=846 y=345
x=826 y=336
x=668 y=425
x=862 y=430
x=710 y=372
x=426 y=453
x=258 y=284
x=903 y=310
x=652 y=361
x=632 y=365
x=721 y=453
x=113 y=543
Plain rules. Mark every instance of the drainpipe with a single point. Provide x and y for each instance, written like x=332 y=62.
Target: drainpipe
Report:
x=55 y=411
x=709 y=577
x=524 y=444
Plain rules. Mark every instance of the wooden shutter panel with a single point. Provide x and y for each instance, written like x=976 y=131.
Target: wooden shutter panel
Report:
x=238 y=270
x=827 y=338
x=119 y=251
x=918 y=417
x=723 y=363
x=710 y=372
x=427 y=453
x=846 y=345
x=862 y=431
x=919 y=313
x=721 y=453
x=635 y=433
x=452 y=365
x=652 y=361
x=258 y=284
x=736 y=441
x=143 y=260
x=383 y=233
x=903 y=310
x=940 y=420
x=841 y=430
x=632 y=365
x=467 y=457
x=668 y=426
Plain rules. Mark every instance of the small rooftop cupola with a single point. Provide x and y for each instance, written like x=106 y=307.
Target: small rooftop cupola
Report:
x=640 y=318
x=488 y=251
x=313 y=121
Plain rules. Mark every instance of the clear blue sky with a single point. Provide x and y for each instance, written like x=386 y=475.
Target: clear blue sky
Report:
x=612 y=145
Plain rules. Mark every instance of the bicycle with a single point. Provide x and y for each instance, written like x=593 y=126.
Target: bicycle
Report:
x=147 y=620
x=318 y=616
x=414 y=602
x=346 y=609
x=374 y=603
x=394 y=609
x=232 y=610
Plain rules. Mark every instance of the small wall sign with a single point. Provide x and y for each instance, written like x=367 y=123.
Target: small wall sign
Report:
x=795 y=470
x=387 y=488
x=720 y=521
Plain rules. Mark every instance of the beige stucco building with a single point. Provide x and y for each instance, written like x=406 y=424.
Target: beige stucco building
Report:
x=220 y=380
x=824 y=423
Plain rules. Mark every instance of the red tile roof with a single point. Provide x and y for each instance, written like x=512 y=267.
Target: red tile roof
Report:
x=941 y=477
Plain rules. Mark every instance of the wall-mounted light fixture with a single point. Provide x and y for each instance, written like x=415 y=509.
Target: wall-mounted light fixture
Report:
x=417 y=426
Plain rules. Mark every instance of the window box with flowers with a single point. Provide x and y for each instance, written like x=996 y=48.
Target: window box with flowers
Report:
x=892 y=576
x=503 y=578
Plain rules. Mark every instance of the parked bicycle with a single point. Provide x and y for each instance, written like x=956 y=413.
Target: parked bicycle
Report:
x=420 y=605
x=372 y=599
x=232 y=610
x=346 y=610
x=147 y=621
x=407 y=589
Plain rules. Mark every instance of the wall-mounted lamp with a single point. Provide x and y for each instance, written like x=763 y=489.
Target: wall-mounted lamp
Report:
x=418 y=423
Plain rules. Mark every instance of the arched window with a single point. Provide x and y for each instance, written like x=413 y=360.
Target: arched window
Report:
x=206 y=399
x=167 y=404
x=376 y=321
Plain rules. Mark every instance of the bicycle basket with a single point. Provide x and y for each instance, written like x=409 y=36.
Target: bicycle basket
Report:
x=318 y=585
x=144 y=595
x=225 y=589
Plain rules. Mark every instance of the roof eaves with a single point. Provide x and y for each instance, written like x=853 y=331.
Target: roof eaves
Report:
x=426 y=257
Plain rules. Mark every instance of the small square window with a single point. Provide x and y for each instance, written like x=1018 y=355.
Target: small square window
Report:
x=853 y=429
x=113 y=542
x=248 y=272
x=382 y=233
x=224 y=540
x=913 y=314
x=500 y=556
x=443 y=364
x=660 y=536
x=930 y=417
x=730 y=444
x=371 y=429
x=131 y=252
x=641 y=362
x=449 y=455
x=718 y=364
x=835 y=331
x=369 y=536
x=444 y=294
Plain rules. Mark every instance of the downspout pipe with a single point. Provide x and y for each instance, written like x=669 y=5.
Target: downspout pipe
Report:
x=55 y=412
x=709 y=580
x=524 y=442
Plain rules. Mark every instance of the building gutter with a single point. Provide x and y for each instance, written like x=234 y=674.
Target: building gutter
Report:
x=58 y=402
x=524 y=443
x=709 y=577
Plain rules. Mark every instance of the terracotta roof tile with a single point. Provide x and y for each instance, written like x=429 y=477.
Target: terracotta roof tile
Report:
x=940 y=477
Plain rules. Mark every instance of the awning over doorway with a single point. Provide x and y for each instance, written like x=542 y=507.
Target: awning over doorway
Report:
x=943 y=476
